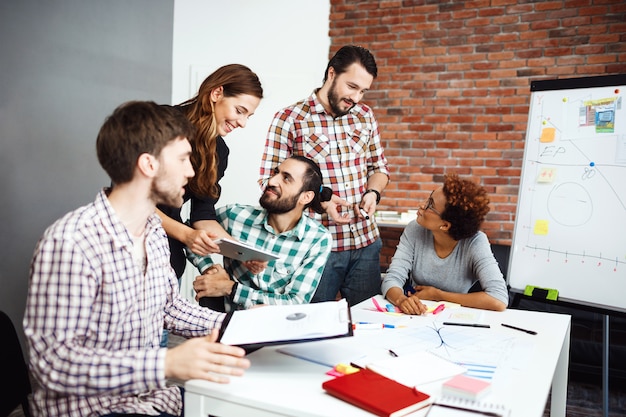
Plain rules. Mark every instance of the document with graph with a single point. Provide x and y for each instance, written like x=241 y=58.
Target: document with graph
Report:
x=280 y=324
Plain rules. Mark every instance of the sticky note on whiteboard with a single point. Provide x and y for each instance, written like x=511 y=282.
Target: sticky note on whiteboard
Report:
x=546 y=175
x=547 y=135
x=541 y=227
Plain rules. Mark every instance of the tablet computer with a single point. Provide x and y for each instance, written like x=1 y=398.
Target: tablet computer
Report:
x=242 y=251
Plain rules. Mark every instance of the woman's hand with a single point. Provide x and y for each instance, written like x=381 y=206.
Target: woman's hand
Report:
x=427 y=292
x=408 y=305
x=200 y=242
x=412 y=305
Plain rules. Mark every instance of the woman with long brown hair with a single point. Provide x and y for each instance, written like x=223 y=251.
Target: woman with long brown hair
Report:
x=225 y=101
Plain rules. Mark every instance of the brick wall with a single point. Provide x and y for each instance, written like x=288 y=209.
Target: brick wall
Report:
x=453 y=85
x=390 y=237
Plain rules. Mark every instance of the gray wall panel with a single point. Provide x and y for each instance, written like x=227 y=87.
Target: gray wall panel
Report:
x=64 y=66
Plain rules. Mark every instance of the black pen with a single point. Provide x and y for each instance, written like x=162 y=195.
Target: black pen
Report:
x=469 y=410
x=520 y=329
x=447 y=323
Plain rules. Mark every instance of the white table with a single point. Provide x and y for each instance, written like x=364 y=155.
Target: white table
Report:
x=278 y=384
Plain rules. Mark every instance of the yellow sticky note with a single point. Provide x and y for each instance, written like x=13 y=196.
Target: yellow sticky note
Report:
x=547 y=134
x=546 y=175
x=346 y=369
x=541 y=227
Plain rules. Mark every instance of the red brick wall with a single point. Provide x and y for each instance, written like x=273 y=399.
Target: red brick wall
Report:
x=390 y=237
x=453 y=85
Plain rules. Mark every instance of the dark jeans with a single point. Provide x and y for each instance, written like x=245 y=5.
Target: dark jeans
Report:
x=353 y=273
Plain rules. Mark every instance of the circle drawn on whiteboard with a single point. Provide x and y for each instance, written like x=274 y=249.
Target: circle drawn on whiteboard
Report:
x=296 y=316
x=570 y=204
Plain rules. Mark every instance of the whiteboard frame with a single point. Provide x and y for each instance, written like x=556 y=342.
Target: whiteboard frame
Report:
x=618 y=80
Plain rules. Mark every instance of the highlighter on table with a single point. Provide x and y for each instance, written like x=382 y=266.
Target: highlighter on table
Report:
x=439 y=309
x=378 y=307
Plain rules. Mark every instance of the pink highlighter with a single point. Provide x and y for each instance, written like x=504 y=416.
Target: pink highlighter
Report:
x=439 y=309
x=378 y=307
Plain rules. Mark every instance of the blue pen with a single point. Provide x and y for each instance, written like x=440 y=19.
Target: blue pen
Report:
x=388 y=326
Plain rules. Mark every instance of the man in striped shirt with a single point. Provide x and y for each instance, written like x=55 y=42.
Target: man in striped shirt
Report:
x=278 y=226
x=102 y=288
x=334 y=129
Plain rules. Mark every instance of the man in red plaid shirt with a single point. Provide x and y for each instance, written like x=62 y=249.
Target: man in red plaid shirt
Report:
x=334 y=129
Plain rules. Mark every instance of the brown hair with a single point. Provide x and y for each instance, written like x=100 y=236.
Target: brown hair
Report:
x=467 y=204
x=135 y=128
x=347 y=56
x=235 y=79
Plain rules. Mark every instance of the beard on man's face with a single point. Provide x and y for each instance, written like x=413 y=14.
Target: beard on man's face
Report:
x=334 y=101
x=163 y=193
x=280 y=204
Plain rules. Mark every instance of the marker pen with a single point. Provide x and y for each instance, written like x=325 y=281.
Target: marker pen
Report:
x=377 y=325
x=367 y=326
x=447 y=323
x=378 y=307
x=364 y=213
x=439 y=309
x=519 y=328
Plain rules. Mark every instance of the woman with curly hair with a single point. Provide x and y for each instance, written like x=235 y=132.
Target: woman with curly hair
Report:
x=442 y=253
x=225 y=101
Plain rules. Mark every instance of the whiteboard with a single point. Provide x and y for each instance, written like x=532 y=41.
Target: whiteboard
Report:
x=570 y=225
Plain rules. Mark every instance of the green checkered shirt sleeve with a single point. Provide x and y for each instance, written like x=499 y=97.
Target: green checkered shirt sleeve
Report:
x=201 y=262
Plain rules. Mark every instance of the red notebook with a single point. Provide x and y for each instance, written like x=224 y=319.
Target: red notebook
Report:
x=376 y=393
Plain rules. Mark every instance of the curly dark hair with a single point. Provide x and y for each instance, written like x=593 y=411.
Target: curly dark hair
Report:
x=467 y=204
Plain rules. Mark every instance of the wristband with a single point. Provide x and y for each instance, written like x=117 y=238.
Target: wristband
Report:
x=233 y=291
x=371 y=190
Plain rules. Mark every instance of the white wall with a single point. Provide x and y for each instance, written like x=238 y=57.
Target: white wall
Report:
x=285 y=42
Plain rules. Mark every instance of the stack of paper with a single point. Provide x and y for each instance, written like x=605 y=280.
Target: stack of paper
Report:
x=416 y=368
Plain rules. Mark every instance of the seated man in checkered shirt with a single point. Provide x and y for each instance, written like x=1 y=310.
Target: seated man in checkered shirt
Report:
x=278 y=226
x=102 y=289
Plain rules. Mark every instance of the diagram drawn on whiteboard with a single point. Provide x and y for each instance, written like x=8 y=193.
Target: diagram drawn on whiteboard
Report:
x=571 y=215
